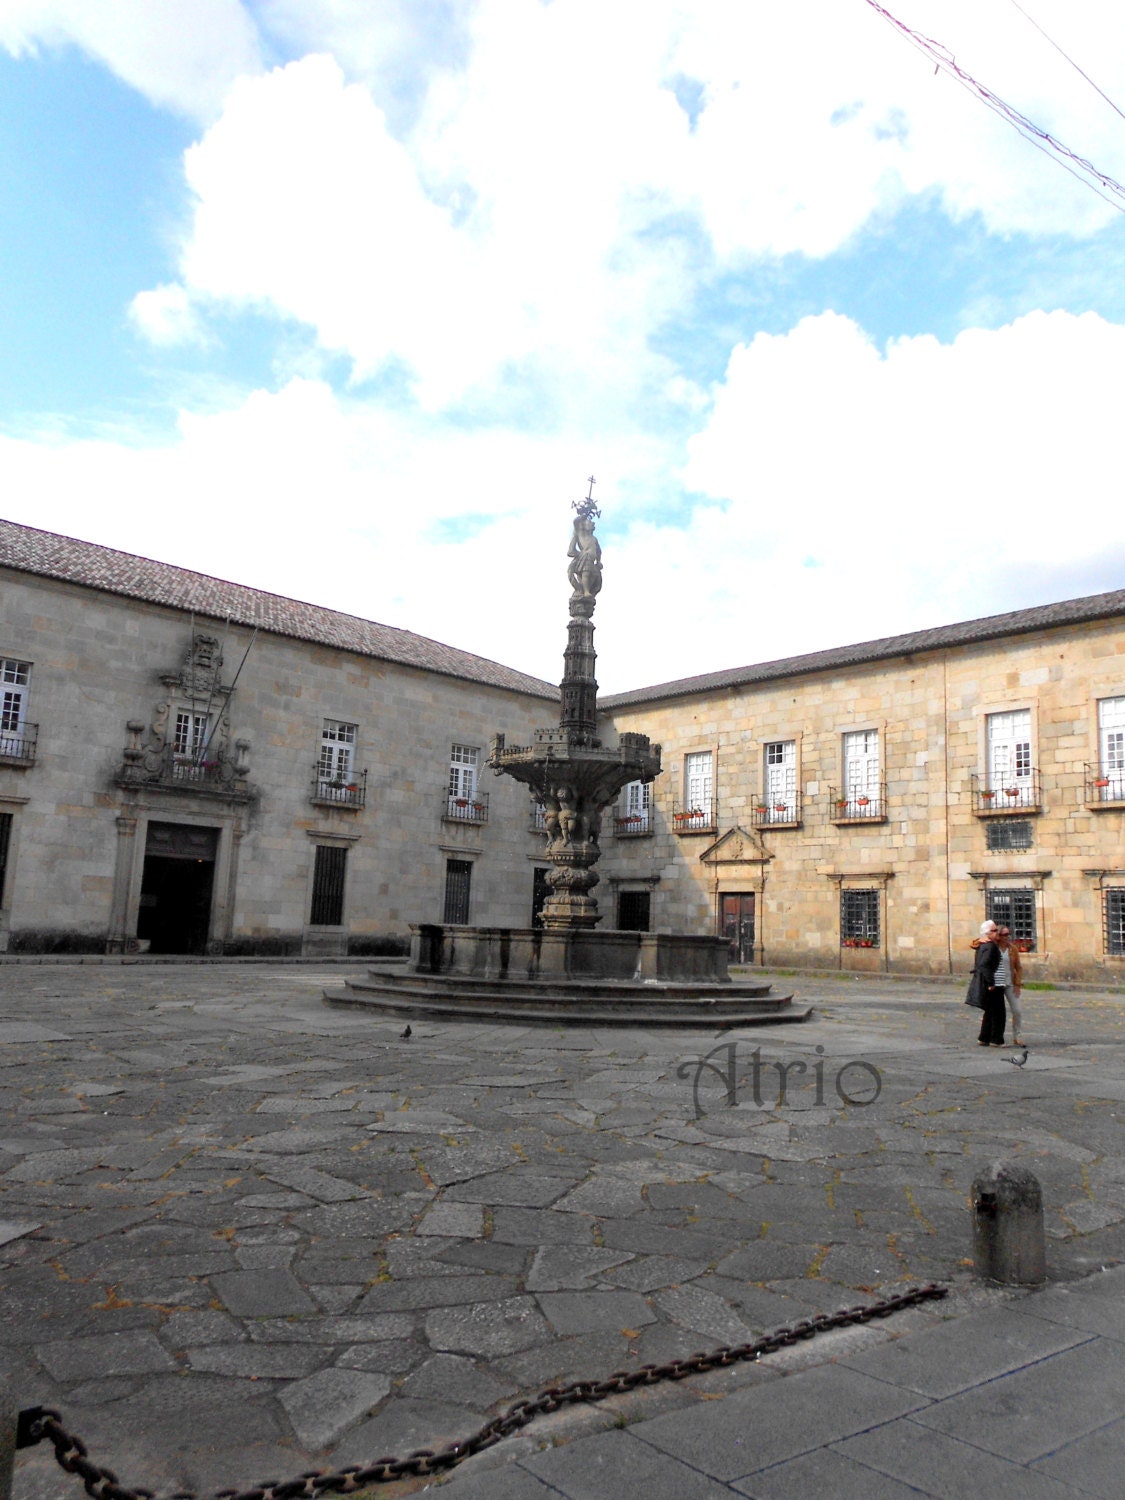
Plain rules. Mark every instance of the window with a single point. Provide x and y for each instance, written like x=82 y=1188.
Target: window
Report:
x=1009 y=779
x=5 y=845
x=337 y=751
x=17 y=737
x=633 y=910
x=1115 y=922
x=859 y=919
x=328 y=886
x=458 y=882
x=1014 y=833
x=463 y=802
x=698 y=782
x=540 y=890
x=190 y=738
x=1014 y=909
x=861 y=774
x=634 y=811
x=780 y=800
x=1111 y=750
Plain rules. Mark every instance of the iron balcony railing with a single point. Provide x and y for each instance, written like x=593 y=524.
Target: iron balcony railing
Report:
x=1105 y=785
x=18 y=744
x=340 y=791
x=696 y=817
x=633 y=825
x=1002 y=792
x=781 y=809
x=460 y=809
x=859 y=804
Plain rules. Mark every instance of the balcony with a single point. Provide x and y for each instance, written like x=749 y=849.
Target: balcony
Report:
x=163 y=769
x=348 y=792
x=780 y=810
x=859 y=804
x=695 y=818
x=1105 y=788
x=17 y=745
x=999 y=794
x=472 y=809
x=633 y=825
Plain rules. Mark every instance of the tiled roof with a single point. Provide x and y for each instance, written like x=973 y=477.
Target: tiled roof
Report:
x=970 y=632
x=42 y=552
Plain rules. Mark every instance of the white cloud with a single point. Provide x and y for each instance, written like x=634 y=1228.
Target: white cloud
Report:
x=181 y=55
x=843 y=492
x=166 y=316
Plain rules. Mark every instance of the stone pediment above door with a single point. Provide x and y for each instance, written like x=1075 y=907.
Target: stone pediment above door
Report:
x=736 y=847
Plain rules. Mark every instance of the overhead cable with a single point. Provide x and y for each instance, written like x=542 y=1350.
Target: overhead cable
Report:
x=1068 y=57
x=1102 y=183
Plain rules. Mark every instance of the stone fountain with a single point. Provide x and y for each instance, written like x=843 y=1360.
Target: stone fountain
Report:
x=565 y=970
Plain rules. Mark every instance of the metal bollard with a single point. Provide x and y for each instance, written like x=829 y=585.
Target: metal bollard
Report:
x=1008 y=1242
x=8 y=1420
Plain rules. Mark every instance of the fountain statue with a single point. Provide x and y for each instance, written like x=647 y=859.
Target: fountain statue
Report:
x=571 y=774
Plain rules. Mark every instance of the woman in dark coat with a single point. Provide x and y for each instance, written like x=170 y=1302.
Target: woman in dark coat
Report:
x=994 y=1013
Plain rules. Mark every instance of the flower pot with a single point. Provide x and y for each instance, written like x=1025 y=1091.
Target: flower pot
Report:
x=1102 y=781
x=862 y=801
x=1011 y=791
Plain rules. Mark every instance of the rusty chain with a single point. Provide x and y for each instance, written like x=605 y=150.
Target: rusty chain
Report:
x=38 y=1423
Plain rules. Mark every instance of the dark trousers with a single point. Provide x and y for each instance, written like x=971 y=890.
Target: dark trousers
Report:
x=993 y=1017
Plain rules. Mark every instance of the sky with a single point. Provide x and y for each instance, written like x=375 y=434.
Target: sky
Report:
x=346 y=299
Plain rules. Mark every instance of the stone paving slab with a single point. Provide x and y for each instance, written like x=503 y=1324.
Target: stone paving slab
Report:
x=260 y=1234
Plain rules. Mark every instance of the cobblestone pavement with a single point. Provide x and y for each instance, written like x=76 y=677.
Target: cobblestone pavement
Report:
x=244 y=1233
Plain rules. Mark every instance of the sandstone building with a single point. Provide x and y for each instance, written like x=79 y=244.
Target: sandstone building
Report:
x=190 y=766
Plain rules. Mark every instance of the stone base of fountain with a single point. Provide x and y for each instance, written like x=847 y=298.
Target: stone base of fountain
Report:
x=583 y=977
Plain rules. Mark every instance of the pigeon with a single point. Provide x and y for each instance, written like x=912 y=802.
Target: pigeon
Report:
x=407 y=1034
x=1018 y=1062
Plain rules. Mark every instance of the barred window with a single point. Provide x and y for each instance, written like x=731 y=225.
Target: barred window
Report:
x=5 y=842
x=1013 y=833
x=1115 y=922
x=458 y=880
x=328 y=886
x=859 y=919
x=1015 y=910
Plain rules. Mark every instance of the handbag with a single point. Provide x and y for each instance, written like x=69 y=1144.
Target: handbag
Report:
x=973 y=993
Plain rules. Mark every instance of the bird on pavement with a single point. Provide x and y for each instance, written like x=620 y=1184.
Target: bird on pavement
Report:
x=1018 y=1062
x=407 y=1034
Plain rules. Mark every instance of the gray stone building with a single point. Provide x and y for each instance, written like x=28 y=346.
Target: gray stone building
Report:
x=191 y=766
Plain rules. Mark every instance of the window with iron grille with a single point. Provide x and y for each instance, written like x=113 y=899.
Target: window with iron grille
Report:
x=337 y=747
x=1115 y=922
x=633 y=909
x=458 y=881
x=5 y=845
x=328 y=886
x=859 y=919
x=14 y=679
x=1014 y=910
x=1011 y=833
x=540 y=890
